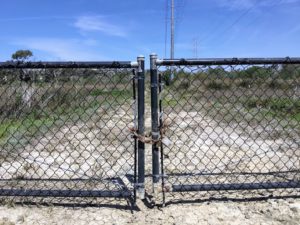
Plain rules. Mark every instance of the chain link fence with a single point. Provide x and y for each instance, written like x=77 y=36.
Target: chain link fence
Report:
x=218 y=126
x=226 y=125
x=64 y=129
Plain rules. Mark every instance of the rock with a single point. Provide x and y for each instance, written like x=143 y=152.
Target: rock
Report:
x=247 y=216
x=6 y=221
x=291 y=201
x=20 y=219
x=295 y=209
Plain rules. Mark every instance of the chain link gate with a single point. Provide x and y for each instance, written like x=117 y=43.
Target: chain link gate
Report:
x=77 y=129
x=67 y=129
x=224 y=125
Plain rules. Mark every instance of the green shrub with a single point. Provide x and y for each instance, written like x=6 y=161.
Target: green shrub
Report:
x=217 y=85
x=244 y=83
x=184 y=85
x=279 y=84
x=276 y=106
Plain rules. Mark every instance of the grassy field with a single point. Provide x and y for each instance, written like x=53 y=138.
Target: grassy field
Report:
x=55 y=103
x=251 y=95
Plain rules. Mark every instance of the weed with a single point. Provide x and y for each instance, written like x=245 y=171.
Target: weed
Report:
x=170 y=102
x=245 y=83
x=217 y=85
x=277 y=106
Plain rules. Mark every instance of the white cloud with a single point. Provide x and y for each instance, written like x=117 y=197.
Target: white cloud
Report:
x=278 y=2
x=235 y=4
x=97 y=23
x=33 y=18
x=245 y=4
x=61 y=49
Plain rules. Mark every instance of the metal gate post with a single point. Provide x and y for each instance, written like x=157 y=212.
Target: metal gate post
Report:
x=154 y=117
x=141 y=127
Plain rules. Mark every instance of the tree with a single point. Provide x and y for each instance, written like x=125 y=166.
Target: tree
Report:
x=218 y=72
x=22 y=55
x=290 y=71
x=28 y=90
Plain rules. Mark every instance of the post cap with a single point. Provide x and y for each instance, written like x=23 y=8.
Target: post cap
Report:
x=153 y=55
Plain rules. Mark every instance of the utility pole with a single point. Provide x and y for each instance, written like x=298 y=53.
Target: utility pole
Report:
x=172 y=28
x=172 y=36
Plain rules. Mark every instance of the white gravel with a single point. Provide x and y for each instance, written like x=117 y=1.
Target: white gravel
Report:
x=266 y=212
x=220 y=140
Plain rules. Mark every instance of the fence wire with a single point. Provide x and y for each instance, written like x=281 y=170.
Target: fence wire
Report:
x=229 y=126
x=64 y=130
x=78 y=129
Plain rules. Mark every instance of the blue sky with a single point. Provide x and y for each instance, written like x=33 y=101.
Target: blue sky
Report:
x=124 y=29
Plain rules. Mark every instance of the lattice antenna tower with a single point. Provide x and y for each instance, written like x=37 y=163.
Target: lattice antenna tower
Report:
x=172 y=28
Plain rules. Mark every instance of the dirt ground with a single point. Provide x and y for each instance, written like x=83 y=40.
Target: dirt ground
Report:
x=276 y=211
x=73 y=151
x=261 y=212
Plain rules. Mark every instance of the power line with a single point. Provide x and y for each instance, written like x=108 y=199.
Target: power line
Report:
x=247 y=11
x=238 y=20
x=232 y=24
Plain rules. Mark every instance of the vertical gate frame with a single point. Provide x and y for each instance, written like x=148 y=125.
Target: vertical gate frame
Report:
x=140 y=185
x=154 y=118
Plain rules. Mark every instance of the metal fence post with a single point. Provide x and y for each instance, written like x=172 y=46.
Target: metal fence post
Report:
x=154 y=117
x=141 y=127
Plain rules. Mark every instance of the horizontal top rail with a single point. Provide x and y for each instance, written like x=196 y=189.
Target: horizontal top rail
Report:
x=226 y=61
x=71 y=65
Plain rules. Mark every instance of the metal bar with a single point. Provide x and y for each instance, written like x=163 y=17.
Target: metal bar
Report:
x=231 y=187
x=65 y=193
x=141 y=126
x=154 y=117
x=108 y=180
x=160 y=89
x=53 y=65
x=205 y=173
x=226 y=61
x=134 y=137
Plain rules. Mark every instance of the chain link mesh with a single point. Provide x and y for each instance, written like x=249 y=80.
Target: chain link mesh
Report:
x=71 y=131
x=230 y=127
x=65 y=132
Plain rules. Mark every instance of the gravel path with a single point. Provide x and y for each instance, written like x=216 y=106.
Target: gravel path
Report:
x=229 y=141
x=264 y=212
